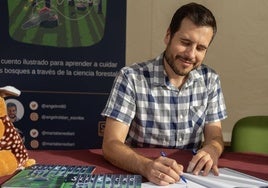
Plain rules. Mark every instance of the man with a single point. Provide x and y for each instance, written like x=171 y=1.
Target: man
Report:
x=12 y=112
x=170 y=101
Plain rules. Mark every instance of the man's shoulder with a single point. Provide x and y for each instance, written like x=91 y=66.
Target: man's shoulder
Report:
x=206 y=75
x=205 y=70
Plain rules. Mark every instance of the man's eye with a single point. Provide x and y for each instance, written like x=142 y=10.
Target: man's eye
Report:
x=185 y=43
x=201 y=48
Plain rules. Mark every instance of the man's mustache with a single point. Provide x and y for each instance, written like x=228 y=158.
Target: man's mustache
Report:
x=184 y=58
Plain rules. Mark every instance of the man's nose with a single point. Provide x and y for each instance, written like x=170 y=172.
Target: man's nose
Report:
x=190 y=52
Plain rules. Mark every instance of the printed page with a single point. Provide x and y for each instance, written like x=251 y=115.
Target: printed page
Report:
x=189 y=184
x=227 y=179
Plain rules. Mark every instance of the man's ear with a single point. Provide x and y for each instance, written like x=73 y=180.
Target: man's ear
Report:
x=167 y=37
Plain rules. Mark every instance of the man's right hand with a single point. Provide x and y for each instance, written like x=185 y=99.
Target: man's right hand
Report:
x=163 y=171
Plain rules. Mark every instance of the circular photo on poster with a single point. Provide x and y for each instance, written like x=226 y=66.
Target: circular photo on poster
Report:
x=33 y=105
x=34 y=116
x=15 y=110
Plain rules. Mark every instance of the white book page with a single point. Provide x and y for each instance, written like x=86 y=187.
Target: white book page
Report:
x=227 y=179
x=181 y=184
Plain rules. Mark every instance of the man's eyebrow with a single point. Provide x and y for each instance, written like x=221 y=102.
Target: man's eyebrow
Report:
x=185 y=39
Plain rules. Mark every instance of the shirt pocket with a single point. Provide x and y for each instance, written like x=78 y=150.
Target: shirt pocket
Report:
x=197 y=116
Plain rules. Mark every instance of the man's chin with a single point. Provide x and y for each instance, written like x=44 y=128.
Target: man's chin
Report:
x=183 y=73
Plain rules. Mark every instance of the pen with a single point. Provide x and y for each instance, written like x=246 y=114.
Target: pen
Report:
x=194 y=151
x=163 y=154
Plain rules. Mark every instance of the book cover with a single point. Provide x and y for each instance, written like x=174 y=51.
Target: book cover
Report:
x=45 y=176
x=103 y=181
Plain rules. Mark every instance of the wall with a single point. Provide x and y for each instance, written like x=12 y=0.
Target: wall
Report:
x=238 y=53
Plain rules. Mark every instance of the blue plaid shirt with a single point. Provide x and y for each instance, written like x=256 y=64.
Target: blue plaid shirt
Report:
x=161 y=115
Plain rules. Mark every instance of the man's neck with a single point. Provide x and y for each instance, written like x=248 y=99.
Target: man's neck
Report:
x=175 y=79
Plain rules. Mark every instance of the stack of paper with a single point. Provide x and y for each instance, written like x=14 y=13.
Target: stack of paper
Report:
x=227 y=179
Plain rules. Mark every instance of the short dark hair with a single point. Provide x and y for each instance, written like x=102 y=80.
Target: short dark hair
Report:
x=198 y=14
x=11 y=104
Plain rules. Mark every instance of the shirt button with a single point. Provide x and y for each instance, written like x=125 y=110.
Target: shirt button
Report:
x=181 y=116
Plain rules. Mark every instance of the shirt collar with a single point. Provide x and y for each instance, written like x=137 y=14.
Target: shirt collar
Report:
x=159 y=73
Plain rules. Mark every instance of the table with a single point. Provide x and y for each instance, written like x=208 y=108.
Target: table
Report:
x=250 y=163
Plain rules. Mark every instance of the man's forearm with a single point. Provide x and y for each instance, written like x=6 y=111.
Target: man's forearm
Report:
x=216 y=144
x=122 y=156
x=213 y=139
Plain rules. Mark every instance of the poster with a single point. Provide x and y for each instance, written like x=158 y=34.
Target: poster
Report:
x=63 y=56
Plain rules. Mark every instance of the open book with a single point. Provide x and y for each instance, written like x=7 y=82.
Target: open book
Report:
x=227 y=179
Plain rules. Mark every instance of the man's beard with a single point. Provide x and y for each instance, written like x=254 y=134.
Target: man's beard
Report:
x=11 y=116
x=171 y=63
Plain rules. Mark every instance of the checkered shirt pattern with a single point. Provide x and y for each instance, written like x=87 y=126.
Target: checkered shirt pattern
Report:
x=161 y=115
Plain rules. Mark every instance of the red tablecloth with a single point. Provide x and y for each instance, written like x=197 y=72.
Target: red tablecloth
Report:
x=252 y=164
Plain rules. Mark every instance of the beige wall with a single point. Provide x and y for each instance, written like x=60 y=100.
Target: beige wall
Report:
x=239 y=52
